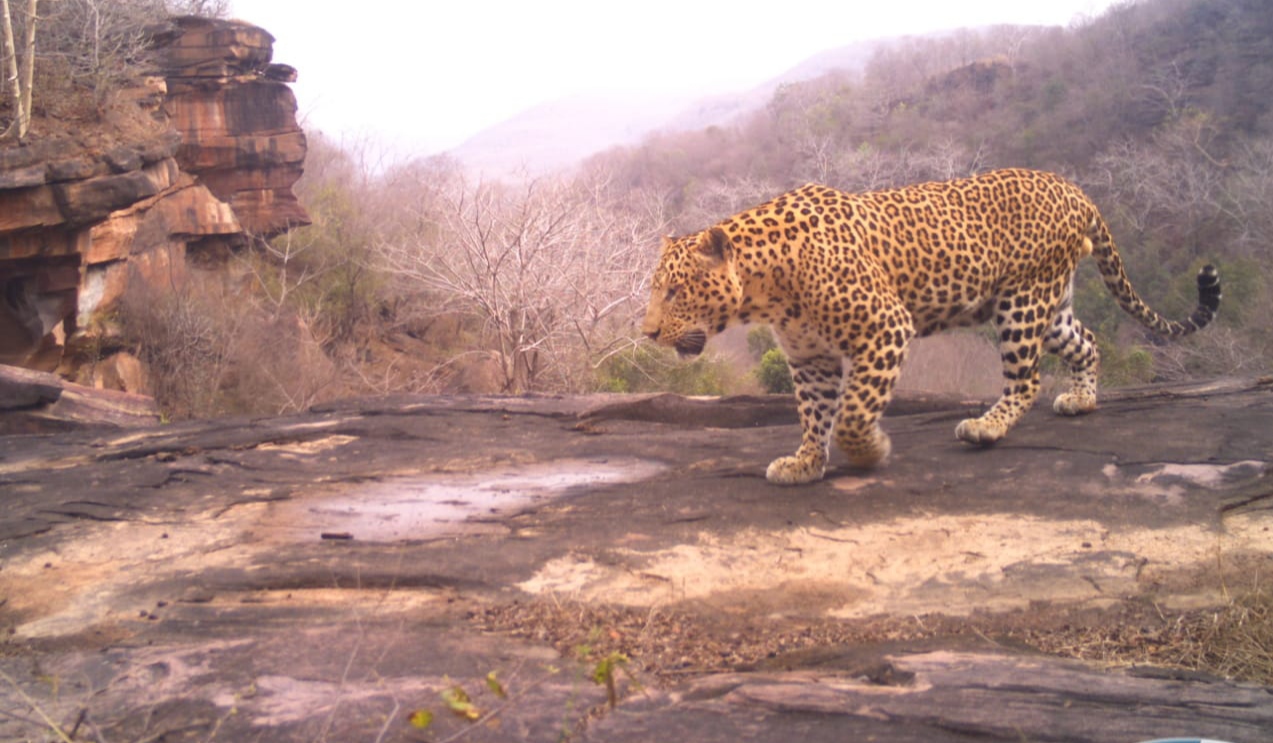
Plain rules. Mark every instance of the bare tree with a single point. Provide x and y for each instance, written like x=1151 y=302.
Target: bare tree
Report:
x=19 y=68
x=717 y=199
x=1171 y=188
x=102 y=43
x=99 y=45
x=809 y=118
x=545 y=266
x=1249 y=191
x=202 y=8
x=1168 y=91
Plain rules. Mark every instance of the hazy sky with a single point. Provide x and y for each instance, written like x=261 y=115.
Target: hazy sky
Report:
x=427 y=74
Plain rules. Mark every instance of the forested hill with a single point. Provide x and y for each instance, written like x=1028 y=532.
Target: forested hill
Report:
x=1159 y=108
x=1027 y=96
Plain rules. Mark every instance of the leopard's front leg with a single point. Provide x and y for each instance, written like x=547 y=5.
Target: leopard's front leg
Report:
x=875 y=365
x=817 y=381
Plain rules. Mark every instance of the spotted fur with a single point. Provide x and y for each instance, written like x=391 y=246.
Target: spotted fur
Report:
x=846 y=280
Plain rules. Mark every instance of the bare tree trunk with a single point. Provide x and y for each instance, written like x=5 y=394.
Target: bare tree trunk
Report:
x=20 y=83
x=11 y=72
x=28 y=66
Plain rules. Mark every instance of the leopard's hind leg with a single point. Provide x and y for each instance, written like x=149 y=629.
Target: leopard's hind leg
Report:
x=1021 y=319
x=1076 y=346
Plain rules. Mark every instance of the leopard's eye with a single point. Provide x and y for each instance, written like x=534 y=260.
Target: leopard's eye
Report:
x=671 y=292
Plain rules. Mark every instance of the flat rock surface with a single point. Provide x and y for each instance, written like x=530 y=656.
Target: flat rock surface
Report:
x=326 y=576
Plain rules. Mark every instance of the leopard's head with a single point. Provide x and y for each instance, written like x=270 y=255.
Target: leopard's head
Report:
x=695 y=292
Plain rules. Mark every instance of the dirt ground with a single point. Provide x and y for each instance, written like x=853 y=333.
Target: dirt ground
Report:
x=617 y=568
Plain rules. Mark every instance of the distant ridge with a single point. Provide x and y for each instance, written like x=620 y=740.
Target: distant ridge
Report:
x=557 y=134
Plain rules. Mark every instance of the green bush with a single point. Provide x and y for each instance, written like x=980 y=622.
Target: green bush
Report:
x=760 y=340
x=773 y=373
x=1124 y=365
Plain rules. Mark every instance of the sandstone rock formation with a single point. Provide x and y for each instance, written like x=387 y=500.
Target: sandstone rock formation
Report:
x=208 y=160
x=237 y=119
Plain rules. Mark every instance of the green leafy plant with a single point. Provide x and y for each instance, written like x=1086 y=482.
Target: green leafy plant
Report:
x=458 y=702
x=774 y=374
x=421 y=719
x=760 y=340
x=603 y=673
x=496 y=686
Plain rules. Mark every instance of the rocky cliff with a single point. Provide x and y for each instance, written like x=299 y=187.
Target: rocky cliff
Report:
x=205 y=160
x=237 y=120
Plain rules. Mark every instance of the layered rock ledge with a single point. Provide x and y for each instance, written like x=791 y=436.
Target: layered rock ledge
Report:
x=207 y=161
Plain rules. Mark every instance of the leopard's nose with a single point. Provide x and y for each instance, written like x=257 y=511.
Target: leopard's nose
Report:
x=653 y=334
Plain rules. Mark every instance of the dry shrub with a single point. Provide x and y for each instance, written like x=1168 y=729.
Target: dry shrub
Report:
x=185 y=338
x=279 y=367
x=210 y=351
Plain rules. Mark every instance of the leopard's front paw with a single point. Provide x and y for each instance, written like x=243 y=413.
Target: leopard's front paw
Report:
x=794 y=470
x=979 y=431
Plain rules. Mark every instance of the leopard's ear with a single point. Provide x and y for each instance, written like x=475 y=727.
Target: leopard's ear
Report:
x=715 y=246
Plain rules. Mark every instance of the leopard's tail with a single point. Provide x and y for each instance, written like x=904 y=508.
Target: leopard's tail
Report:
x=1111 y=267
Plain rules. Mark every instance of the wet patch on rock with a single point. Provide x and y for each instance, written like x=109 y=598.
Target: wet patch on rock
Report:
x=429 y=506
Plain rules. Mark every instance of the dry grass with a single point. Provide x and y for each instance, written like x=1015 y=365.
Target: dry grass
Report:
x=669 y=643
x=1233 y=641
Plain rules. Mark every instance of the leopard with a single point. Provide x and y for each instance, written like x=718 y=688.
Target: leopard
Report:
x=846 y=280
